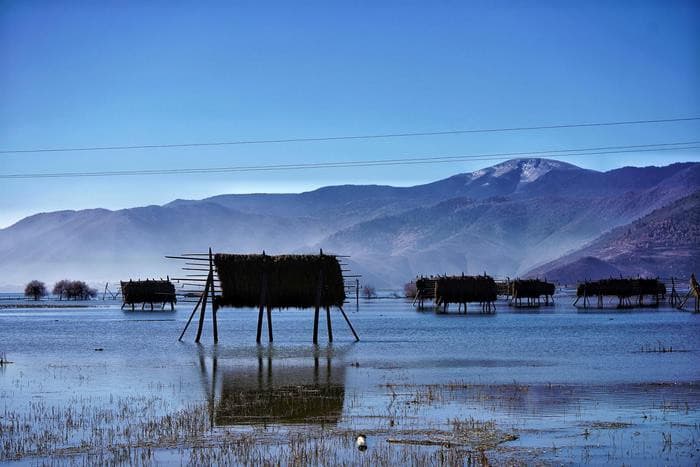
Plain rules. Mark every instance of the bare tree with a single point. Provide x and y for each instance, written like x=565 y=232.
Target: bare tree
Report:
x=60 y=288
x=35 y=290
x=410 y=290
x=77 y=290
x=368 y=291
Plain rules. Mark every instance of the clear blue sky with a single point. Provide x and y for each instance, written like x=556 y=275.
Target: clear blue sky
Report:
x=125 y=73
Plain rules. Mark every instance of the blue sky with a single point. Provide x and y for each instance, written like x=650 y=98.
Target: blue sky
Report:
x=83 y=74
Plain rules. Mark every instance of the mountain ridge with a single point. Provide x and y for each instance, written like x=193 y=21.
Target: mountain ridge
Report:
x=506 y=219
x=670 y=233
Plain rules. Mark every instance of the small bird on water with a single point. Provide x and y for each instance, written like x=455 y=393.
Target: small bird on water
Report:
x=361 y=443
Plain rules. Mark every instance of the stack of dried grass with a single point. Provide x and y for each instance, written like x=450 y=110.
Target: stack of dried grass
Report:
x=425 y=287
x=651 y=287
x=148 y=291
x=465 y=289
x=292 y=280
x=624 y=288
x=531 y=288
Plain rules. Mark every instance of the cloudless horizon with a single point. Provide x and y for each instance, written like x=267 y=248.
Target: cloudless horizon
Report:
x=128 y=73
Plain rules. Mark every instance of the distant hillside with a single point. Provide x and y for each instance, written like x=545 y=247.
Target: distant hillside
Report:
x=586 y=268
x=665 y=243
x=505 y=219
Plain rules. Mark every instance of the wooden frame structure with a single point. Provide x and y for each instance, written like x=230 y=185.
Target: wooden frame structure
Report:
x=147 y=291
x=531 y=290
x=425 y=290
x=266 y=285
x=630 y=292
x=466 y=289
x=693 y=291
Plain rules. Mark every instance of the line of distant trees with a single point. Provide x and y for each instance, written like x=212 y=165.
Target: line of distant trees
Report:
x=63 y=289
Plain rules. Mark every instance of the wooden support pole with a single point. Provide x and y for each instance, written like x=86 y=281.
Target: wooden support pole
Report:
x=357 y=338
x=191 y=316
x=260 y=320
x=415 y=297
x=214 y=305
x=202 y=312
x=269 y=322
x=328 y=324
x=263 y=301
x=316 y=324
x=319 y=294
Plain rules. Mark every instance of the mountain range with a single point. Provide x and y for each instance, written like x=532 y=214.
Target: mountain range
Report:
x=520 y=217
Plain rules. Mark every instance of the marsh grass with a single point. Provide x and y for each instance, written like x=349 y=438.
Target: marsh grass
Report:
x=659 y=348
x=144 y=430
x=3 y=359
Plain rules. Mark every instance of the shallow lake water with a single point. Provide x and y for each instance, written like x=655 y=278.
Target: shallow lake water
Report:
x=556 y=384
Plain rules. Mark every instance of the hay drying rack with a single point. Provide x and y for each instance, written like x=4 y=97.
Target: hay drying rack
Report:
x=200 y=280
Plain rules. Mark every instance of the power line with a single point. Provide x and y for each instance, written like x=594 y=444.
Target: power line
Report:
x=561 y=153
x=350 y=137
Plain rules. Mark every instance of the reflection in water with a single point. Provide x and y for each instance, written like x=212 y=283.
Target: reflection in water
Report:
x=308 y=390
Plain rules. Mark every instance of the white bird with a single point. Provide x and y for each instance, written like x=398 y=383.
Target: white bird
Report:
x=361 y=443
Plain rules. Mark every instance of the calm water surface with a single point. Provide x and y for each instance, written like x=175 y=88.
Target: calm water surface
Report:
x=575 y=386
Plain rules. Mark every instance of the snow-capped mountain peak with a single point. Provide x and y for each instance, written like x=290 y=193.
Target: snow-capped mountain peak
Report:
x=528 y=170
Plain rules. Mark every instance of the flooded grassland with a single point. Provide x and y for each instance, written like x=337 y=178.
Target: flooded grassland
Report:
x=554 y=386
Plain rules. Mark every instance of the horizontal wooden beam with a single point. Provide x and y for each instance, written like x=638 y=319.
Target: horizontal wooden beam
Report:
x=189 y=258
x=190 y=279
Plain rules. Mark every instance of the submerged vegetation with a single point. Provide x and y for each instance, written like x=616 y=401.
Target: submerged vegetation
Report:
x=402 y=430
x=135 y=429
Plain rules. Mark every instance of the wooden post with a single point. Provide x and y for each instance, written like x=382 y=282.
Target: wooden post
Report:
x=191 y=316
x=269 y=322
x=328 y=321
x=263 y=300
x=357 y=338
x=260 y=319
x=415 y=297
x=316 y=325
x=202 y=311
x=319 y=294
x=214 y=305
x=357 y=293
